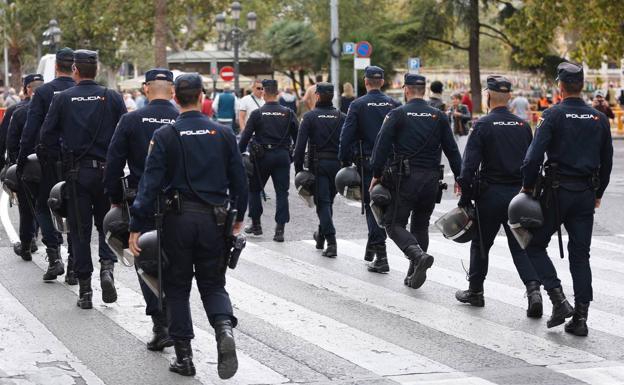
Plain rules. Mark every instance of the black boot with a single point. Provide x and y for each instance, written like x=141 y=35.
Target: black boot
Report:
x=25 y=250
x=369 y=255
x=160 y=339
x=535 y=308
x=85 y=294
x=561 y=307
x=55 y=265
x=320 y=240
x=227 y=361
x=472 y=296
x=410 y=271
x=183 y=363
x=279 y=233
x=422 y=262
x=578 y=324
x=254 y=228
x=70 y=277
x=107 y=281
x=332 y=247
x=380 y=264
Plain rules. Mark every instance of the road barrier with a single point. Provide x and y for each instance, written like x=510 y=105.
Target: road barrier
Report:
x=617 y=124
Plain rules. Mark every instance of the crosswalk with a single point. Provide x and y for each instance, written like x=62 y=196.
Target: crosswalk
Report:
x=307 y=319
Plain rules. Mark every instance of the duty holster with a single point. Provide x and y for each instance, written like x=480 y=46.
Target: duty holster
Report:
x=441 y=185
x=71 y=172
x=234 y=244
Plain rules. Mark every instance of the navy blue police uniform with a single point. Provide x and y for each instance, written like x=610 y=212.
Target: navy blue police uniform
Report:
x=364 y=119
x=491 y=177
x=271 y=129
x=411 y=142
x=320 y=131
x=129 y=146
x=37 y=111
x=4 y=130
x=577 y=141
x=26 y=194
x=83 y=118
x=197 y=160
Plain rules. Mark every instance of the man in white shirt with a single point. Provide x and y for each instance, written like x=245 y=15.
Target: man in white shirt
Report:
x=250 y=103
x=520 y=107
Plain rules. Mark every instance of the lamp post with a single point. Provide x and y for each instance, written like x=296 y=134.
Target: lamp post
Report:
x=52 y=35
x=232 y=36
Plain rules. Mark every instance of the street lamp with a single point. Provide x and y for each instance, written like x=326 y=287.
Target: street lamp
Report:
x=52 y=35
x=232 y=36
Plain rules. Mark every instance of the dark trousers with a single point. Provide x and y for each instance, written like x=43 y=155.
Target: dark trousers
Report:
x=493 y=205
x=325 y=194
x=376 y=235
x=27 y=225
x=92 y=206
x=576 y=213
x=194 y=246
x=49 y=236
x=417 y=193
x=275 y=164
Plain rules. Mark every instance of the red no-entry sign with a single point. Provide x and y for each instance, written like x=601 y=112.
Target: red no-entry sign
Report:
x=227 y=73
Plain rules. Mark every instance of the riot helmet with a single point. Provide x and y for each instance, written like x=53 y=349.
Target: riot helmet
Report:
x=3 y=172
x=524 y=213
x=11 y=183
x=58 y=204
x=116 y=233
x=32 y=169
x=380 y=200
x=348 y=183
x=147 y=260
x=459 y=224
x=305 y=183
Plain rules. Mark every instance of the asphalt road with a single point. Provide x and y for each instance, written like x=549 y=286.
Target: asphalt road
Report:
x=311 y=320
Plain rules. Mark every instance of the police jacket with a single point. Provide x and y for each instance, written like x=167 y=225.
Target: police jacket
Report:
x=272 y=125
x=209 y=161
x=37 y=111
x=575 y=136
x=16 y=126
x=80 y=113
x=418 y=132
x=320 y=128
x=498 y=144
x=364 y=119
x=4 y=127
x=130 y=143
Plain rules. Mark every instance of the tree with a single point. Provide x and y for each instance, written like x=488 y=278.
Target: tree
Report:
x=160 y=33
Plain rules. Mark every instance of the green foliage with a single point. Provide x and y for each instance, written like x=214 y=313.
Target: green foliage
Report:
x=293 y=45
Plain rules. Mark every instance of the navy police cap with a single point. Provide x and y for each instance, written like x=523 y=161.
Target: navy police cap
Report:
x=269 y=83
x=65 y=54
x=498 y=84
x=159 y=74
x=324 y=88
x=569 y=72
x=190 y=81
x=373 y=72
x=32 y=78
x=414 y=80
x=85 y=56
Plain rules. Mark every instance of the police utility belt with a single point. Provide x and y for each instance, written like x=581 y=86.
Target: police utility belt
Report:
x=257 y=150
x=178 y=204
x=91 y=163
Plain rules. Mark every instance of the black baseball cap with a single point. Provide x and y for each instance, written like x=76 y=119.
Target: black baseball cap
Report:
x=414 y=80
x=32 y=78
x=373 y=72
x=498 y=84
x=159 y=74
x=85 y=56
x=569 y=72
x=324 y=88
x=65 y=54
x=269 y=83
x=189 y=81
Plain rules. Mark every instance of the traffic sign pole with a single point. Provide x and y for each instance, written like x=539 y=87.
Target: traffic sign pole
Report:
x=335 y=60
x=363 y=50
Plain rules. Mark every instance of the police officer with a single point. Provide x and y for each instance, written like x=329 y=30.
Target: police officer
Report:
x=577 y=140
x=415 y=133
x=37 y=110
x=320 y=131
x=84 y=118
x=491 y=177
x=28 y=224
x=364 y=119
x=274 y=130
x=198 y=165
x=129 y=144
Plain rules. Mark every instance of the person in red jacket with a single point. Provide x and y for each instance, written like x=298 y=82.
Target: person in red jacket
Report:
x=207 y=106
x=467 y=101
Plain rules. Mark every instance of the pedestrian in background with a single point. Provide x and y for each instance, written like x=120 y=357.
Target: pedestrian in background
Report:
x=520 y=106
x=601 y=104
x=207 y=105
x=250 y=103
x=459 y=115
x=11 y=98
x=348 y=95
x=436 y=100
x=225 y=106
x=467 y=101
x=289 y=99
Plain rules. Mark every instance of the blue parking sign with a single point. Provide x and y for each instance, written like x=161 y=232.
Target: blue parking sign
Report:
x=348 y=48
x=413 y=64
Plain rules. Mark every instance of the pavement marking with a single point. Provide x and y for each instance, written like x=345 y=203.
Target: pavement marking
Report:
x=440 y=379
x=128 y=313
x=31 y=354
x=367 y=351
x=610 y=373
x=500 y=338
x=600 y=320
